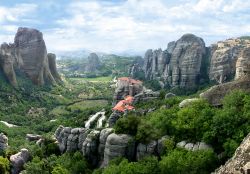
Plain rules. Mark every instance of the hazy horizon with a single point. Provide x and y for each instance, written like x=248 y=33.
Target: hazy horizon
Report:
x=119 y=26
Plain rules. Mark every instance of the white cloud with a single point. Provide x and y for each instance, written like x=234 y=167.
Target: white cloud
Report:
x=16 y=13
x=136 y=25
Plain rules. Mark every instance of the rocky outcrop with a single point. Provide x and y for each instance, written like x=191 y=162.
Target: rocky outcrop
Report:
x=99 y=147
x=28 y=55
x=188 y=63
x=6 y=63
x=239 y=163
x=93 y=63
x=188 y=102
x=32 y=55
x=243 y=65
x=121 y=145
x=194 y=147
x=144 y=150
x=215 y=94
x=126 y=86
x=179 y=65
x=33 y=137
x=223 y=56
x=52 y=67
x=3 y=142
x=90 y=147
x=18 y=160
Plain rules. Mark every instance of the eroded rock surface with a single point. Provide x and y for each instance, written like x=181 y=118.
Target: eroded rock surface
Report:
x=179 y=65
x=3 y=142
x=28 y=55
x=119 y=145
x=18 y=160
x=223 y=56
x=215 y=94
x=239 y=163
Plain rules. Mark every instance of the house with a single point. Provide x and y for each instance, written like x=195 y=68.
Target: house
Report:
x=124 y=105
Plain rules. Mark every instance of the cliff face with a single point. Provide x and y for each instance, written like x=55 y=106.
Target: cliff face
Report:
x=187 y=62
x=28 y=54
x=239 y=163
x=179 y=65
x=224 y=56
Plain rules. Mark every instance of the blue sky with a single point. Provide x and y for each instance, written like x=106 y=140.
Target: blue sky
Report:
x=116 y=26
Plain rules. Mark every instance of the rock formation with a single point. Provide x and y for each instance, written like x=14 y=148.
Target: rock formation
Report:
x=188 y=63
x=188 y=102
x=28 y=55
x=179 y=65
x=121 y=145
x=18 y=160
x=99 y=147
x=215 y=94
x=240 y=161
x=52 y=67
x=126 y=86
x=6 y=63
x=243 y=65
x=194 y=147
x=93 y=63
x=223 y=56
x=3 y=142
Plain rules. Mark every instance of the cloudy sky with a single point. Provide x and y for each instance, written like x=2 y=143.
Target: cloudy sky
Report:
x=116 y=26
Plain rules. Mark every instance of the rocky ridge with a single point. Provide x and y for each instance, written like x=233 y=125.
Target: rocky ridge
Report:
x=99 y=147
x=187 y=62
x=28 y=55
x=240 y=162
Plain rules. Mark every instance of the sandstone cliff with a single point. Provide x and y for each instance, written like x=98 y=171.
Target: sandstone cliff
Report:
x=28 y=55
x=240 y=162
x=179 y=65
x=224 y=55
x=188 y=62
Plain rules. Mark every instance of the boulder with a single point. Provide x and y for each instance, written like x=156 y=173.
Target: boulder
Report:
x=188 y=102
x=102 y=141
x=33 y=137
x=239 y=163
x=3 y=142
x=144 y=150
x=90 y=147
x=18 y=160
x=194 y=146
x=119 y=145
x=215 y=94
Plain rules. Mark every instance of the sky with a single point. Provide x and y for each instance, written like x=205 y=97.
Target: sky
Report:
x=123 y=26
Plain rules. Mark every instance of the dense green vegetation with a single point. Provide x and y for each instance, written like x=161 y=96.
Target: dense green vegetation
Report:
x=32 y=108
x=112 y=65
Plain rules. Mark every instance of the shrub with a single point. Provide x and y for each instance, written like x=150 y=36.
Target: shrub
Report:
x=59 y=170
x=182 y=161
x=4 y=165
x=127 y=125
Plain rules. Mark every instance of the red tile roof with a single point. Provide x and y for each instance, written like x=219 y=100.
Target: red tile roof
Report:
x=124 y=105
